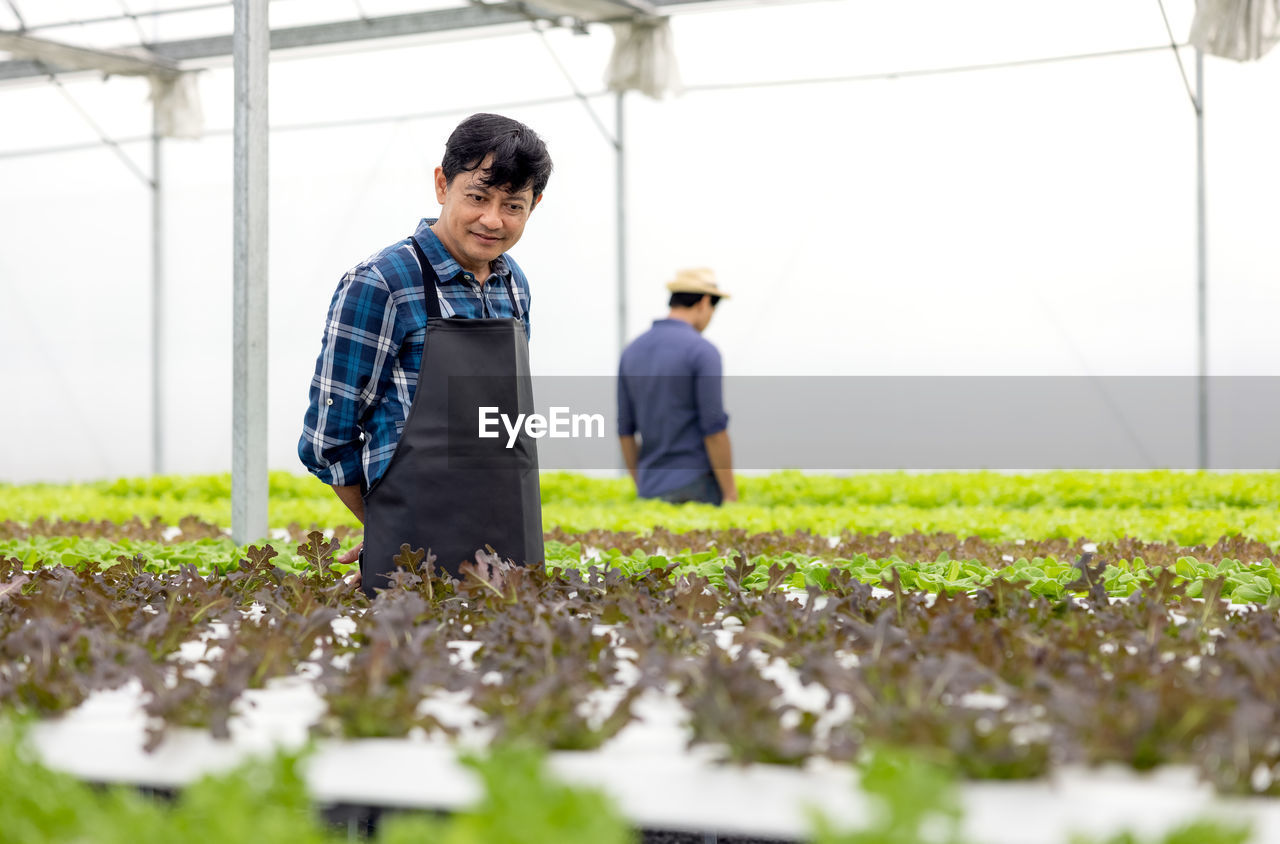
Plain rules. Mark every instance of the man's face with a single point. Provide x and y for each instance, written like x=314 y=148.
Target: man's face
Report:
x=479 y=223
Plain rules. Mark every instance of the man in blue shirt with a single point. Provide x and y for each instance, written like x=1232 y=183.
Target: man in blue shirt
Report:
x=670 y=394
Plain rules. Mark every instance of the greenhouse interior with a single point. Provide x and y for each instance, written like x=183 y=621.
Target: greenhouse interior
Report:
x=651 y=421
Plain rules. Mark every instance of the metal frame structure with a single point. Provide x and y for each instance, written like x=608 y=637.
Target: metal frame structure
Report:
x=249 y=499
x=1202 y=275
x=475 y=16
x=250 y=46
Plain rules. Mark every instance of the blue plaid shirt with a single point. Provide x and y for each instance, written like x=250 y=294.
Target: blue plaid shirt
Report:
x=372 y=351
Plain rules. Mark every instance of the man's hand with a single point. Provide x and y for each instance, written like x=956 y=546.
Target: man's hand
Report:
x=350 y=557
x=350 y=496
x=720 y=453
x=631 y=455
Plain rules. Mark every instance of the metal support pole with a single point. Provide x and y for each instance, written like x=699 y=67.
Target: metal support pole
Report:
x=620 y=147
x=1202 y=325
x=157 y=296
x=251 y=49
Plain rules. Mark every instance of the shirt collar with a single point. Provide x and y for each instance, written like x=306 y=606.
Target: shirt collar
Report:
x=445 y=265
x=673 y=321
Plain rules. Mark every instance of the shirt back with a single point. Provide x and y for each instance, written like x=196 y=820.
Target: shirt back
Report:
x=670 y=394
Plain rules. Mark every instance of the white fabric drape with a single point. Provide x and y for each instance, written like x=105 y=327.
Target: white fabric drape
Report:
x=644 y=58
x=1243 y=30
x=177 y=104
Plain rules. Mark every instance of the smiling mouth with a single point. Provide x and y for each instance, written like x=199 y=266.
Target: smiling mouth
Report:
x=486 y=238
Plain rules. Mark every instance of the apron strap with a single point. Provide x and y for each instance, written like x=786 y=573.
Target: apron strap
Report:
x=515 y=305
x=430 y=279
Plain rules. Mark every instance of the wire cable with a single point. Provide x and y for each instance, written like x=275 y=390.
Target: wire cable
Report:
x=421 y=115
x=1173 y=44
x=577 y=93
x=573 y=85
x=581 y=96
x=137 y=25
x=933 y=71
x=154 y=13
x=304 y=127
x=102 y=135
x=22 y=25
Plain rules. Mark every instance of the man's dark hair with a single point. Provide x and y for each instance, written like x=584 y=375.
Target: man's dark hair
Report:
x=688 y=300
x=520 y=158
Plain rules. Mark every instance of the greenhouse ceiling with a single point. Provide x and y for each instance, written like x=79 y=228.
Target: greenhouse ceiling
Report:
x=169 y=32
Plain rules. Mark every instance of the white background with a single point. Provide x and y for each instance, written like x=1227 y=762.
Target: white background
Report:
x=1027 y=220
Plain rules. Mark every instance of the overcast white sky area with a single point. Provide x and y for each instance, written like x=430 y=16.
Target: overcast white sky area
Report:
x=1031 y=220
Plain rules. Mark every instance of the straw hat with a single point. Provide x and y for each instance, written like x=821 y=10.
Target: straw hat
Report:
x=698 y=280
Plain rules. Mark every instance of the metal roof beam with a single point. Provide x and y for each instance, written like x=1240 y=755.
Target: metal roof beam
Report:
x=218 y=46
x=45 y=56
x=438 y=20
x=592 y=10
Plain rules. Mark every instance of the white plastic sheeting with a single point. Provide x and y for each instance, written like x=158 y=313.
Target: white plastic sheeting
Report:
x=1243 y=30
x=1019 y=221
x=644 y=58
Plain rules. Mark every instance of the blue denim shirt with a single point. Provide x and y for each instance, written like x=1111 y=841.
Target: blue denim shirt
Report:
x=670 y=393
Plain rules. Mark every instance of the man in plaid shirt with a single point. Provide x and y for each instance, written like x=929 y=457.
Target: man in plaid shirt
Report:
x=492 y=176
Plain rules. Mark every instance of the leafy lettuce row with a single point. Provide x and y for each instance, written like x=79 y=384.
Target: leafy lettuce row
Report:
x=1068 y=489
x=1185 y=507
x=1245 y=581
x=1001 y=681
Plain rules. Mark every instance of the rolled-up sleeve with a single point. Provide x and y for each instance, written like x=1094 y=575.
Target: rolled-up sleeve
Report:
x=708 y=390
x=353 y=369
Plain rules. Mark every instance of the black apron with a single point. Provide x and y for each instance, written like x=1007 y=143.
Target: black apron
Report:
x=447 y=489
